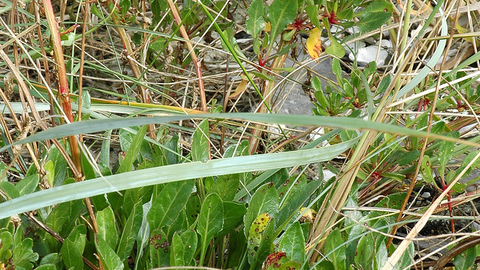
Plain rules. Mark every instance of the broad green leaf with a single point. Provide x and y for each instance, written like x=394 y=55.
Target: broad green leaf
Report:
x=159 y=249
x=466 y=259
x=234 y=150
x=445 y=153
x=312 y=12
x=426 y=170
x=335 y=249
x=130 y=231
x=374 y=15
x=177 y=257
x=201 y=143
x=365 y=252
x=135 y=196
x=381 y=256
x=337 y=69
x=60 y=165
x=172 y=156
x=293 y=243
x=72 y=248
x=407 y=257
x=107 y=228
x=192 y=208
x=210 y=221
x=393 y=201
x=23 y=255
x=50 y=172
x=124 y=6
x=265 y=200
x=183 y=248
x=169 y=203
x=52 y=258
x=179 y=225
x=280 y=14
x=9 y=189
x=63 y=217
x=294 y=192
x=336 y=49
x=225 y=186
x=6 y=245
x=133 y=151
x=109 y=258
x=255 y=23
x=233 y=214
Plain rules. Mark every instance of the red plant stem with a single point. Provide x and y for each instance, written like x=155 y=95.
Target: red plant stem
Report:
x=184 y=34
x=450 y=209
x=63 y=89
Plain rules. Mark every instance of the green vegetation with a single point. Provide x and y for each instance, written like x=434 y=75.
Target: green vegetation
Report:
x=143 y=134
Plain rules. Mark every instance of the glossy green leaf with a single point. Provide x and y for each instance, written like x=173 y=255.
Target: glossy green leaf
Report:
x=52 y=258
x=183 y=248
x=280 y=14
x=9 y=189
x=255 y=23
x=124 y=6
x=365 y=252
x=60 y=165
x=193 y=208
x=374 y=15
x=225 y=186
x=109 y=258
x=23 y=255
x=135 y=196
x=63 y=217
x=335 y=249
x=445 y=153
x=466 y=259
x=130 y=231
x=169 y=203
x=312 y=12
x=264 y=201
x=381 y=256
x=179 y=225
x=201 y=143
x=294 y=193
x=293 y=243
x=234 y=150
x=335 y=49
x=210 y=221
x=107 y=228
x=72 y=248
x=233 y=214
x=6 y=245
x=407 y=257
x=50 y=172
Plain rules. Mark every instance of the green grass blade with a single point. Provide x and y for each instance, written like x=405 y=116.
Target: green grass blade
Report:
x=168 y=174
